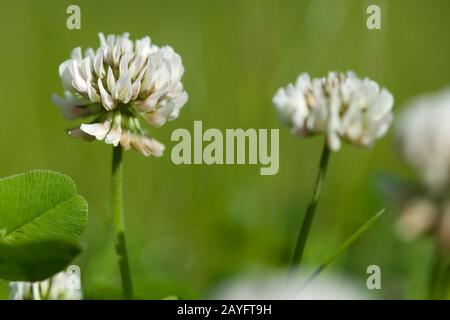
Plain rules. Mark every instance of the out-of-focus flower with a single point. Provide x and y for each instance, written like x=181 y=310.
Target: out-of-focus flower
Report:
x=277 y=287
x=342 y=106
x=419 y=216
x=424 y=139
x=119 y=84
x=62 y=286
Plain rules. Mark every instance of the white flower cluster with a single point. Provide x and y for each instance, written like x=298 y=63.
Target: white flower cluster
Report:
x=119 y=83
x=342 y=106
x=62 y=286
x=424 y=139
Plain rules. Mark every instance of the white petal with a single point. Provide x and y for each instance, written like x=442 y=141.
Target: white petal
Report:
x=98 y=65
x=159 y=117
x=113 y=136
x=149 y=104
x=116 y=53
x=147 y=146
x=110 y=81
x=125 y=141
x=76 y=54
x=179 y=103
x=86 y=69
x=98 y=130
x=122 y=90
x=101 y=36
x=92 y=93
x=90 y=53
x=136 y=86
x=123 y=67
x=78 y=82
x=154 y=147
x=79 y=134
x=66 y=75
x=107 y=101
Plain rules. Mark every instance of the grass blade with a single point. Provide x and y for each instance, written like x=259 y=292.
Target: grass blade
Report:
x=343 y=247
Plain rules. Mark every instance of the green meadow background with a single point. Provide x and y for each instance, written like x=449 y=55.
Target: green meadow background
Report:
x=192 y=227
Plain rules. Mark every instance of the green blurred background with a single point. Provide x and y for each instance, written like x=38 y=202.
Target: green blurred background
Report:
x=191 y=227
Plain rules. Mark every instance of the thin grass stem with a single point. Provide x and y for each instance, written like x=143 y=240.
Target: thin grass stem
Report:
x=310 y=212
x=347 y=243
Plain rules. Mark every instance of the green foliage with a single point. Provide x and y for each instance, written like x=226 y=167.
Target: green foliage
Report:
x=191 y=227
x=41 y=220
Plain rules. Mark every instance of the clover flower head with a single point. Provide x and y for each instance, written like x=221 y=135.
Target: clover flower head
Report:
x=423 y=136
x=62 y=286
x=342 y=106
x=119 y=84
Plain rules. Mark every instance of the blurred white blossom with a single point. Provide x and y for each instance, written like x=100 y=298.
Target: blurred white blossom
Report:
x=424 y=138
x=342 y=106
x=62 y=286
x=117 y=85
x=276 y=286
x=422 y=216
x=419 y=216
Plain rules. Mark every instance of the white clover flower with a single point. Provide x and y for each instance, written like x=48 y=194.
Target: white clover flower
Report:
x=424 y=139
x=118 y=84
x=342 y=106
x=62 y=286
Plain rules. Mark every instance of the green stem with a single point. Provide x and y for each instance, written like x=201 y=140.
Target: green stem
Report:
x=446 y=281
x=307 y=221
x=119 y=223
x=439 y=282
x=434 y=270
